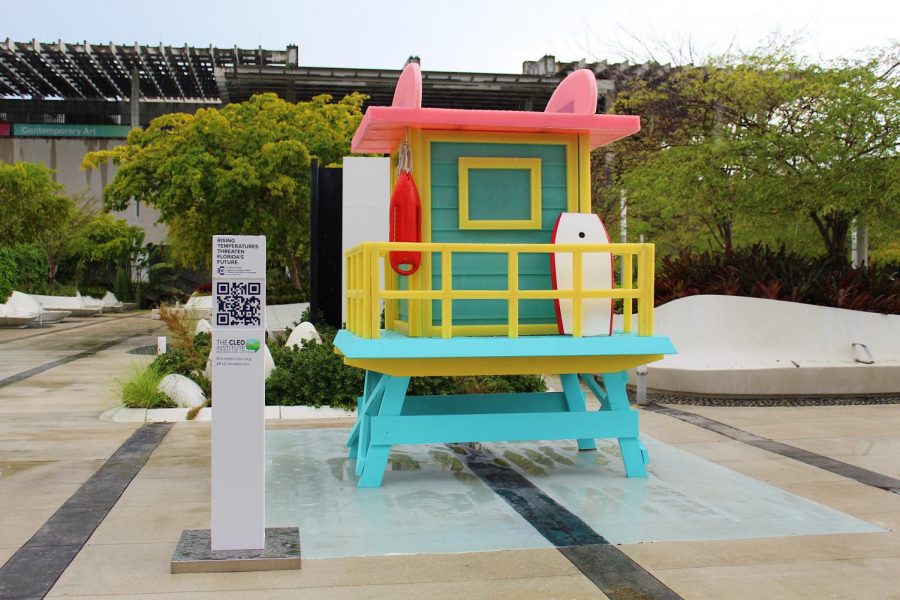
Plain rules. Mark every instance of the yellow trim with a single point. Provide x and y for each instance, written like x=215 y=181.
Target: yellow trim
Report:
x=532 y=165
x=584 y=173
x=365 y=294
x=523 y=365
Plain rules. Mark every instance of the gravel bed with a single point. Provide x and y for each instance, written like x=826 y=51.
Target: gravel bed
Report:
x=672 y=398
x=143 y=350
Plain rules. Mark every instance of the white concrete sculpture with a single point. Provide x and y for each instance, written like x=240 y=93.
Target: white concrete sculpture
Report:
x=203 y=326
x=11 y=318
x=279 y=317
x=182 y=391
x=111 y=303
x=268 y=361
x=74 y=304
x=25 y=304
x=303 y=332
x=732 y=345
x=201 y=306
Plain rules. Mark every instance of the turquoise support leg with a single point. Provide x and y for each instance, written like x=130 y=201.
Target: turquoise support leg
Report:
x=391 y=405
x=575 y=402
x=634 y=455
x=370 y=406
x=353 y=438
x=372 y=379
x=595 y=388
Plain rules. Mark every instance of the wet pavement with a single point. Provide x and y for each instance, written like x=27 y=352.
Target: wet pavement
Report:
x=51 y=443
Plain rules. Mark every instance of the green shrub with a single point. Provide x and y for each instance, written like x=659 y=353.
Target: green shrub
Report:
x=23 y=267
x=313 y=376
x=760 y=272
x=141 y=388
x=317 y=375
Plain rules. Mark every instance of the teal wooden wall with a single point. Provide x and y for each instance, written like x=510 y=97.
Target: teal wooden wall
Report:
x=487 y=271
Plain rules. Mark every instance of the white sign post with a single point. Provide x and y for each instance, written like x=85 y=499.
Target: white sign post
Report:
x=238 y=391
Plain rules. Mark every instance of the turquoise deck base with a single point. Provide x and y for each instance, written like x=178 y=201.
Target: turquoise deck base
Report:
x=388 y=417
x=395 y=345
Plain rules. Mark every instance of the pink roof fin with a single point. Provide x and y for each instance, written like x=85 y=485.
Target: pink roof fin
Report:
x=576 y=94
x=408 y=93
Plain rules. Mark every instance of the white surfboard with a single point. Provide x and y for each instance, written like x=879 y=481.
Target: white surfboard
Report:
x=582 y=228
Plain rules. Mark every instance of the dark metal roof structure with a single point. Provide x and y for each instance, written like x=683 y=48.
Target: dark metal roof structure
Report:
x=61 y=82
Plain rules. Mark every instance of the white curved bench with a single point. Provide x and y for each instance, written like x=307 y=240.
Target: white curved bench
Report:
x=732 y=345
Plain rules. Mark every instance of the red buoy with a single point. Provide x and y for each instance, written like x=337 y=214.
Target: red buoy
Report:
x=406 y=224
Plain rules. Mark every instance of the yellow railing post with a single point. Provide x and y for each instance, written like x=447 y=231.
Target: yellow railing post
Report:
x=627 y=284
x=512 y=285
x=446 y=294
x=577 y=281
x=390 y=306
x=645 y=303
x=366 y=294
x=375 y=314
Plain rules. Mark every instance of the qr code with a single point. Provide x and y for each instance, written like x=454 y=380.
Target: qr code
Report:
x=238 y=304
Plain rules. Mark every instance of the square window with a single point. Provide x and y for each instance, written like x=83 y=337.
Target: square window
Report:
x=499 y=193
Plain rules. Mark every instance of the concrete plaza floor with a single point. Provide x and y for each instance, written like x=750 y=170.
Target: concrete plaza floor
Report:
x=51 y=442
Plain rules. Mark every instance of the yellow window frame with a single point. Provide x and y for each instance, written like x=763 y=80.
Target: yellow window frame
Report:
x=532 y=165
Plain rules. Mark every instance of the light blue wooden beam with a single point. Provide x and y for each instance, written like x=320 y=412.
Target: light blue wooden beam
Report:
x=442 y=429
x=477 y=404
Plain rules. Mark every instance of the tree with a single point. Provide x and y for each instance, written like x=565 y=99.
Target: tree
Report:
x=766 y=135
x=690 y=175
x=242 y=169
x=29 y=201
x=834 y=147
x=110 y=247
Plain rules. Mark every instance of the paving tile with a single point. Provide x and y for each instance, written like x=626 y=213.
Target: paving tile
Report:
x=840 y=447
x=19 y=523
x=140 y=524
x=780 y=470
x=880 y=463
x=140 y=568
x=165 y=492
x=725 y=450
x=525 y=588
x=872 y=579
x=846 y=496
x=887 y=519
x=680 y=555
x=189 y=467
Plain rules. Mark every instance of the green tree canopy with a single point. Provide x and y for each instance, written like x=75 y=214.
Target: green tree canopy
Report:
x=762 y=140
x=242 y=169
x=30 y=202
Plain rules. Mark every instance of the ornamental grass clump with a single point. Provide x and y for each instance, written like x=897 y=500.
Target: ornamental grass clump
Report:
x=141 y=388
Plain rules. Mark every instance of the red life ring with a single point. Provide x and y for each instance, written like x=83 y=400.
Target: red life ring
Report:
x=406 y=224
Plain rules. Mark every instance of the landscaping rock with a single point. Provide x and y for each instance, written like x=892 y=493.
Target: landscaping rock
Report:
x=203 y=326
x=305 y=331
x=183 y=391
x=268 y=361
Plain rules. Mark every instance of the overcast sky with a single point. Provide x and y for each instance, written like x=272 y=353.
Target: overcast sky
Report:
x=460 y=35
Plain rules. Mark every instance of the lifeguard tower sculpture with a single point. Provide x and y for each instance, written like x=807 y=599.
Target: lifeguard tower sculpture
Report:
x=482 y=293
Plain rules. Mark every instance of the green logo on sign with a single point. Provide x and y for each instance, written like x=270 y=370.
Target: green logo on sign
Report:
x=253 y=345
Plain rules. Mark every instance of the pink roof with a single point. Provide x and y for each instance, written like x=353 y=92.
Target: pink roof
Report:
x=570 y=110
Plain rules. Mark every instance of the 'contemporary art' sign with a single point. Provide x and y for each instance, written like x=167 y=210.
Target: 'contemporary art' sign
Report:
x=68 y=130
x=238 y=392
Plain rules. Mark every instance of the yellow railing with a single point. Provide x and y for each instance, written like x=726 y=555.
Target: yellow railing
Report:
x=371 y=280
